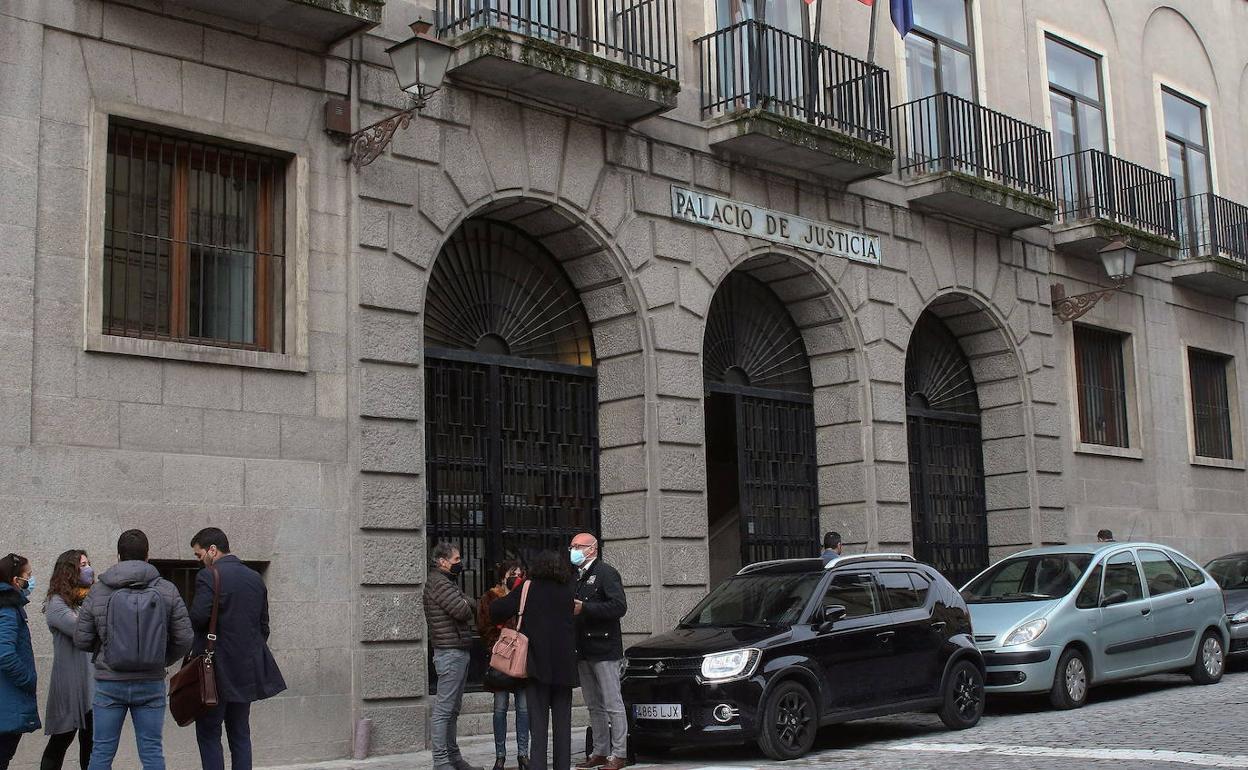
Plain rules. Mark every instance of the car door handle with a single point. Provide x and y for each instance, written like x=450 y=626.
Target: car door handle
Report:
x=1145 y=611
x=1190 y=599
x=938 y=625
x=885 y=636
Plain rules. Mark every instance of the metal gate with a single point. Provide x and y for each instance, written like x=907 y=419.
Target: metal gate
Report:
x=946 y=454
x=753 y=354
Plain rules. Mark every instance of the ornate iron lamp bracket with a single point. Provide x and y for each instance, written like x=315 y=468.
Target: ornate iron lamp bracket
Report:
x=370 y=142
x=1072 y=307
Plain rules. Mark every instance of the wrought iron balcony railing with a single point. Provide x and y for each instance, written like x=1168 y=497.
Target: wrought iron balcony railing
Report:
x=638 y=33
x=1096 y=185
x=751 y=65
x=1210 y=226
x=948 y=133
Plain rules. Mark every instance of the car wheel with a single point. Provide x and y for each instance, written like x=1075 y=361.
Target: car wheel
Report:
x=1071 y=681
x=963 y=702
x=1210 y=661
x=789 y=722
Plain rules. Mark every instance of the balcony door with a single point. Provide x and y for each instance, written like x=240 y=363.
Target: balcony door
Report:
x=762 y=53
x=940 y=58
x=1187 y=158
x=1077 y=109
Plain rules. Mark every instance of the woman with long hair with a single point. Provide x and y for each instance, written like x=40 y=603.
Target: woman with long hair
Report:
x=509 y=575
x=71 y=689
x=549 y=625
x=19 y=714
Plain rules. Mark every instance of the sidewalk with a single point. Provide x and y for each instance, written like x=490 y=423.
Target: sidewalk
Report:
x=478 y=750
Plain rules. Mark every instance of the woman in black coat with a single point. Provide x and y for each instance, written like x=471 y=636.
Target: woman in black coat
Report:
x=550 y=627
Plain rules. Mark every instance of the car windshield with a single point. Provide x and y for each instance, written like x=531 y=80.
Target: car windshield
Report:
x=1231 y=572
x=1028 y=578
x=754 y=600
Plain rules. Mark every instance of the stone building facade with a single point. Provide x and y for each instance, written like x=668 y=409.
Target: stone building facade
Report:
x=308 y=437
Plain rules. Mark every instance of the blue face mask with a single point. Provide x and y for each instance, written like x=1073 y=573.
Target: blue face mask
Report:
x=86 y=575
x=30 y=586
x=578 y=557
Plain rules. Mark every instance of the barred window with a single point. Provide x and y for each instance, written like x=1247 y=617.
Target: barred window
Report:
x=1101 y=382
x=1211 y=406
x=194 y=241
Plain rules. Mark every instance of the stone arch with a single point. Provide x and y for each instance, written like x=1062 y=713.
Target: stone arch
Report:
x=1172 y=39
x=996 y=365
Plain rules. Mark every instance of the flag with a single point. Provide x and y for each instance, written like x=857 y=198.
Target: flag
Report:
x=903 y=15
x=867 y=2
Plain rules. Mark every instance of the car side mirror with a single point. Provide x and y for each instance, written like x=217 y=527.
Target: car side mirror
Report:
x=831 y=614
x=1114 y=597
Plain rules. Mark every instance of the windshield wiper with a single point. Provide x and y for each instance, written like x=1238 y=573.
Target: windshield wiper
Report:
x=1027 y=595
x=752 y=624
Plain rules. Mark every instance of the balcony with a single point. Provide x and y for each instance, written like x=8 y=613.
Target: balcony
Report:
x=322 y=21
x=1213 y=235
x=973 y=163
x=1101 y=198
x=612 y=59
x=772 y=96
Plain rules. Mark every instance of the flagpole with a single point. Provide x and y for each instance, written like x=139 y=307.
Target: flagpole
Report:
x=813 y=66
x=875 y=9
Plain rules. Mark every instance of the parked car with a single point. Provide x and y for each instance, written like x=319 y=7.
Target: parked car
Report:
x=785 y=647
x=1063 y=618
x=1231 y=574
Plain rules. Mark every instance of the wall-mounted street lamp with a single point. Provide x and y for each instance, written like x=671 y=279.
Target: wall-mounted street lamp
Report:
x=1118 y=259
x=420 y=65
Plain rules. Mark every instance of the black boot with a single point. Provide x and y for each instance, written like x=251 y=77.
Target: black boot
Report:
x=523 y=762
x=500 y=763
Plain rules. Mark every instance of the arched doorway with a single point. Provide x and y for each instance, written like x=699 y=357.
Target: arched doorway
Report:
x=511 y=405
x=760 y=430
x=946 y=453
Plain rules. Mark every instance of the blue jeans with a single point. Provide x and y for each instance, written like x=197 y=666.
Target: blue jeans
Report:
x=452 y=668
x=500 y=723
x=237 y=720
x=145 y=702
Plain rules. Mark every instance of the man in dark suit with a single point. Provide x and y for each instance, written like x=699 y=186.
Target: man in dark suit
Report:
x=245 y=669
x=599 y=605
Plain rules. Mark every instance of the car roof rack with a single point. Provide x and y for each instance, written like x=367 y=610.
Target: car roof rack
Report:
x=756 y=566
x=841 y=560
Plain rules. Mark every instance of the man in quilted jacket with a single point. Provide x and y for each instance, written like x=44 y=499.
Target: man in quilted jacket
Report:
x=449 y=614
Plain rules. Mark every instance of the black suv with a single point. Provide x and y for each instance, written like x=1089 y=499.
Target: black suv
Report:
x=785 y=647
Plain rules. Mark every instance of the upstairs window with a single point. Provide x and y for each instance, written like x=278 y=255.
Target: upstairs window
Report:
x=194 y=241
x=1101 y=383
x=1187 y=143
x=940 y=51
x=1211 y=404
x=1076 y=101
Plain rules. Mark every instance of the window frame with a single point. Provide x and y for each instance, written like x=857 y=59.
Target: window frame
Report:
x=1133 y=448
x=1236 y=460
x=1185 y=144
x=940 y=41
x=294 y=309
x=1102 y=105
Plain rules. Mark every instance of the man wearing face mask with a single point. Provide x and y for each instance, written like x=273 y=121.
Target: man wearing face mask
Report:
x=449 y=614
x=599 y=605
x=245 y=669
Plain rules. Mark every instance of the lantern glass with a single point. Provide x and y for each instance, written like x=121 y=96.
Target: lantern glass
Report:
x=1118 y=260
x=420 y=63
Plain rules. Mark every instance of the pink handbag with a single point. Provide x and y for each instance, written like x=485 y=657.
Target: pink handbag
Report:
x=511 y=652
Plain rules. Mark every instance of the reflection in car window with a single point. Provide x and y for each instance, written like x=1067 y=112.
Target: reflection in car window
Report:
x=1162 y=576
x=921 y=586
x=1090 y=595
x=755 y=600
x=900 y=592
x=1231 y=572
x=1121 y=575
x=855 y=592
x=1029 y=578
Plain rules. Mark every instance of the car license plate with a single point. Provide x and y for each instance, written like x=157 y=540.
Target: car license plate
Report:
x=656 y=711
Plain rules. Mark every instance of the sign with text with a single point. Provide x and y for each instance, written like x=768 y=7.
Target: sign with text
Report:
x=778 y=227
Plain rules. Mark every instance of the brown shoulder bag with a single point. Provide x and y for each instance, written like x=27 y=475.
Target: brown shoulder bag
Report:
x=510 y=655
x=193 y=690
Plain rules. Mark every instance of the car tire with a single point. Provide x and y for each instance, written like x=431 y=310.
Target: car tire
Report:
x=789 y=722
x=1210 y=661
x=1071 y=681
x=963 y=696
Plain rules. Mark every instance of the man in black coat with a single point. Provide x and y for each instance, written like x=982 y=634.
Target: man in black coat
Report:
x=599 y=605
x=244 y=666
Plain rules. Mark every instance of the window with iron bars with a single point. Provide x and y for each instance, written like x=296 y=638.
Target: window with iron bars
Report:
x=1100 y=380
x=194 y=240
x=1211 y=404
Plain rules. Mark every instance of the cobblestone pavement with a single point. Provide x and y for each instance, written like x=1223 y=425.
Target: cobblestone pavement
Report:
x=1158 y=723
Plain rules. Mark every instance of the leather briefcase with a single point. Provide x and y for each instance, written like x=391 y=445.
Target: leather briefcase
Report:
x=193 y=690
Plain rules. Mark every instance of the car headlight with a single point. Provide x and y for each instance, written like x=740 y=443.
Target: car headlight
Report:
x=1026 y=633
x=729 y=665
x=1240 y=617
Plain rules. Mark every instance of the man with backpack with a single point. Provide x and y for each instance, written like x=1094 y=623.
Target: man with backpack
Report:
x=137 y=626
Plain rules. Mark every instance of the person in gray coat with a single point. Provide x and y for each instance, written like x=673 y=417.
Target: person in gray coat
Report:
x=69 y=694
x=137 y=625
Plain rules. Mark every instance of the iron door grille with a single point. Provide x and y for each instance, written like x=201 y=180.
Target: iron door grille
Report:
x=947 y=493
x=779 y=508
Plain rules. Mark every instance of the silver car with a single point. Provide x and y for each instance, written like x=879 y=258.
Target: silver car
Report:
x=1062 y=618
x=1231 y=573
